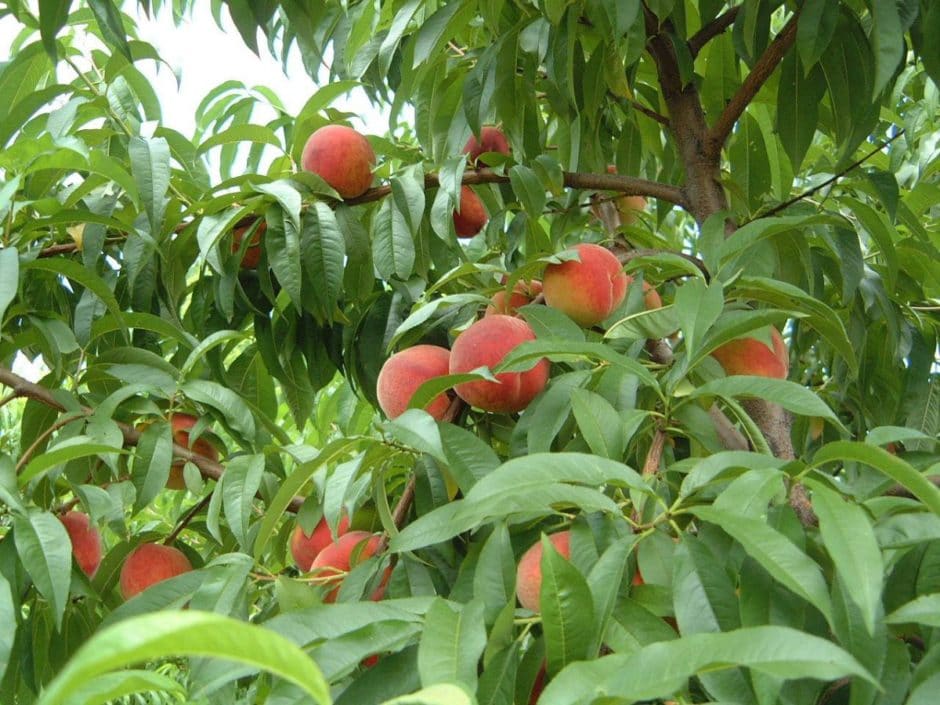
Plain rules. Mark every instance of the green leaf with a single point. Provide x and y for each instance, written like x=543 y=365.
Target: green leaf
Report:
x=71 y=449
x=45 y=550
x=662 y=669
x=605 y=581
x=453 y=639
x=436 y=29
x=8 y=612
x=525 y=356
x=108 y=17
x=437 y=694
x=258 y=134
x=718 y=466
x=324 y=255
x=567 y=610
x=790 y=395
x=798 y=97
x=150 y=166
x=922 y=610
x=53 y=14
x=79 y=274
x=528 y=189
x=240 y=482
x=889 y=465
x=236 y=412
x=850 y=540
x=815 y=29
x=887 y=39
x=191 y=633
x=599 y=423
x=9 y=277
x=776 y=553
x=109 y=687
x=152 y=459
x=697 y=307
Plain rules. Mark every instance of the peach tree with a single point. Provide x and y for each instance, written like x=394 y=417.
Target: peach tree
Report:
x=692 y=457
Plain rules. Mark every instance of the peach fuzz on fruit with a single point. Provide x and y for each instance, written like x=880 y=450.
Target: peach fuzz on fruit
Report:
x=491 y=139
x=304 y=548
x=523 y=293
x=335 y=560
x=86 y=541
x=253 y=252
x=149 y=564
x=470 y=218
x=342 y=157
x=404 y=372
x=485 y=344
x=529 y=571
x=587 y=289
x=750 y=356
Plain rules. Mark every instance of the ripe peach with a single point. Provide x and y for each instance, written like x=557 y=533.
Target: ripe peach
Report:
x=522 y=293
x=472 y=215
x=335 y=561
x=404 y=372
x=151 y=563
x=587 y=290
x=305 y=547
x=628 y=207
x=342 y=157
x=253 y=251
x=86 y=541
x=491 y=139
x=485 y=344
x=651 y=297
x=181 y=424
x=529 y=572
x=750 y=356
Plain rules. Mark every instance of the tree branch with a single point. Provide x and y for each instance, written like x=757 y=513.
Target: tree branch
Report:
x=626 y=185
x=765 y=65
x=207 y=467
x=711 y=30
x=831 y=180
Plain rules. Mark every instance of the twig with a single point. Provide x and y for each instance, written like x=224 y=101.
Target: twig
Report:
x=831 y=180
x=712 y=29
x=188 y=517
x=627 y=185
x=655 y=454
x=27 y=454
x=403 y=506
x=763 y=68
x=649 y=112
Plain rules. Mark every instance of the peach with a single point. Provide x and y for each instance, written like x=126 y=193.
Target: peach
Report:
x=508 y=303
x=485 y=344
x=750 y=356
x=470 y=218
x=86 y=541
x=588 y=290
x=627 y=206
x=491 y=139
x=336 y=559
x=305 y=547
x=651 y=298
x=181 y=424
x=341 y=157
x=529 y=571
x=404 y=372
x=253 y=252
x=151 y=563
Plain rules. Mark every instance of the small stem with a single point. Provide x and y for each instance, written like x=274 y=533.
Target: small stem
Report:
x=714 y=28
x=188 y=517
x=655 y=454
x=64 y=421
x=831 y=180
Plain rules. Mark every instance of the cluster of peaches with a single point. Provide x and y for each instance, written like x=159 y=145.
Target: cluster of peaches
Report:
x=344 y=159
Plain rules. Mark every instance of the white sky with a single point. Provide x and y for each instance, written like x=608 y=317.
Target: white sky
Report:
x=206 y=56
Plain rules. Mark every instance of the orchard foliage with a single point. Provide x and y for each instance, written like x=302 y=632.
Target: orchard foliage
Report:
x=735 y=539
